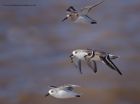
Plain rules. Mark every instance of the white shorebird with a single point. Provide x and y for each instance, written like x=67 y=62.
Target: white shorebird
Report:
x=81 y=16
x=91 y=56
x=62 y=92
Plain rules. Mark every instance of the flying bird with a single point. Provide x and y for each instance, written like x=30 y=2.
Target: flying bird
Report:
x=91 y=56
x=80 y=16
x=63 y=92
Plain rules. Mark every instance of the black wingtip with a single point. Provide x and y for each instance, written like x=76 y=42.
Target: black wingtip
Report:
x=79 y=66
x=109 y=63
x=95 y=71
x=93 y=22
x=89 y=63
x=77 y=96
x=114 y=66
x=119 y=72
x=64 y=19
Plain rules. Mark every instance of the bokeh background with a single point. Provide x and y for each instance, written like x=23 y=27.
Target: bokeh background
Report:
x=35 y=47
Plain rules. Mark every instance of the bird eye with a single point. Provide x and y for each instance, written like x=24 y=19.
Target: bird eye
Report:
x=76 y=52
x=52 y=91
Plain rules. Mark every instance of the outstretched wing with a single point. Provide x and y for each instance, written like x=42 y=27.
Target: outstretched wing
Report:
x=110 y=64
x=71 y=9
x=92 y=65
x=75 y=62
x=70 y=87
x=89 y=19
x=87 y=9
x=52 y=86
x=79 y=66
x=113 y=56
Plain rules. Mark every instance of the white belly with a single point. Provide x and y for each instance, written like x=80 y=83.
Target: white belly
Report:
x=81 y=55
x=64 y=94
x=81 y=19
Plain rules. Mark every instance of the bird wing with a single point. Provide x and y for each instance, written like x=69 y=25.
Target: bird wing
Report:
x=92 y=65
x=110 y=64
x=71 y=9
x=52 y=86
x=113 y=56
x=90 y=19
x=79 y=66
x=87 y=9
x=69 y=87
x=74 y=61
x=103 y=54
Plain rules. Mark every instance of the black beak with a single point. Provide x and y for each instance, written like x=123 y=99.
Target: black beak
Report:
x=71 y=57
x=64 y=19
x=47 y=94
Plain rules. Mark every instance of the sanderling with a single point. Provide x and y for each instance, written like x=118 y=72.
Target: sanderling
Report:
x=91 y=56
x=62 y=92
x=81 y=16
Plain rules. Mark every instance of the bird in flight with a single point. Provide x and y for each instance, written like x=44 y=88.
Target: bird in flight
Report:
x=63 y=92
x=91 y=56
x=81 y=16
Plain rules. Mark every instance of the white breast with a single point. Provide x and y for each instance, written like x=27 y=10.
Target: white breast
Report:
x=62 y=94
x=80 y=55
x=81 y=19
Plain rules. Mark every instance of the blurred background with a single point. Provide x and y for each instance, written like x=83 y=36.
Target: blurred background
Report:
x=35 y=47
